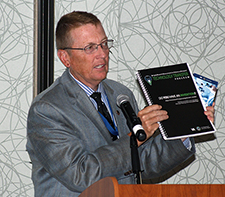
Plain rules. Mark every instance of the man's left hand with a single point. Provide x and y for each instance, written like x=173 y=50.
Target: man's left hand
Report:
x=210 y=112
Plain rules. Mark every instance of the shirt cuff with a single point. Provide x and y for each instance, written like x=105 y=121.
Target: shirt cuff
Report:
x=187 y=144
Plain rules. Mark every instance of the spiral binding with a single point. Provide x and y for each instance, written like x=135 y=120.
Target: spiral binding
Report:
x=148 y=98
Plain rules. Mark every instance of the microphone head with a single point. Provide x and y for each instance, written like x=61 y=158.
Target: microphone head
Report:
x=121 y=99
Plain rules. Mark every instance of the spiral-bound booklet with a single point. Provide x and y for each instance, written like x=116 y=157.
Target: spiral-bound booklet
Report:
x=173 y=87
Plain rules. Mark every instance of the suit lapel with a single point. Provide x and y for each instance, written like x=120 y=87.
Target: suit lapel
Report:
x=86 y=106
x=80 y=100
x=112 y=96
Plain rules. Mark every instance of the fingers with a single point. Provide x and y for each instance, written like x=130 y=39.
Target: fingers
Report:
x=150 y=116
x=210 y=111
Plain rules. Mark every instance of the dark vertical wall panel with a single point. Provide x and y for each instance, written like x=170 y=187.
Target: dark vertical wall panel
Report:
x=45 y=44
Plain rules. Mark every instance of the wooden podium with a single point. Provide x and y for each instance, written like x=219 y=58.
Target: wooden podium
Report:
x=109 y=187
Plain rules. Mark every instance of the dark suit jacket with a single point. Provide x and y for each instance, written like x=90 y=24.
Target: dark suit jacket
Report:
x=70 y=147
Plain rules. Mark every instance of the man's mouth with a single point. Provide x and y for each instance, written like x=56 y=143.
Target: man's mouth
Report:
x=100 y=66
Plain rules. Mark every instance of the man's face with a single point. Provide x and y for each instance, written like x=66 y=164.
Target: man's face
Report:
x=90 y=69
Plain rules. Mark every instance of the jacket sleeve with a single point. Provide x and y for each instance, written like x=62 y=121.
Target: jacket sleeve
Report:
x=62 y=151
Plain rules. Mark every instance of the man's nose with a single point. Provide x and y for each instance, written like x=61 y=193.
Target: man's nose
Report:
x=101 y=51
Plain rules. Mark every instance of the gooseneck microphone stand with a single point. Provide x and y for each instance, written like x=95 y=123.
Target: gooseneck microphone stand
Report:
x=135 y=159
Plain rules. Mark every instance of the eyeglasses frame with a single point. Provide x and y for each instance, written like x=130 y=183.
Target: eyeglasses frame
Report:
x=83 y=49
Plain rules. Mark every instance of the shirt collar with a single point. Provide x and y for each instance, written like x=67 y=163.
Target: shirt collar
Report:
x=89 y=91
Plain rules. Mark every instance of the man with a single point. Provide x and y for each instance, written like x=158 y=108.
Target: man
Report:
x=68 y=142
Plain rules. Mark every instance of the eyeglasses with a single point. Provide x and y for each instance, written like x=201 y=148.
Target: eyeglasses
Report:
x=91 y=48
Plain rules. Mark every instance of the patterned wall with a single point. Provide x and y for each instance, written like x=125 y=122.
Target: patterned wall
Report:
x=16 y=66
x=147 y=34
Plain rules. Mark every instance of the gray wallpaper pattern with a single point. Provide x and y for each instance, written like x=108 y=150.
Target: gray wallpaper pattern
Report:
x=147 y=34
x=16 y=66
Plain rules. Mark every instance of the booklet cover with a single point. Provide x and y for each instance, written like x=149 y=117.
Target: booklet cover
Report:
x=173 y=88
x=207 y=88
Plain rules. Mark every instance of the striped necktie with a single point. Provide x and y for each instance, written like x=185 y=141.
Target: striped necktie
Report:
x=103 y=110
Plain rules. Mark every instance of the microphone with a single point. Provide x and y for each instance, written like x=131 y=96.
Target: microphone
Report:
x=133 y=122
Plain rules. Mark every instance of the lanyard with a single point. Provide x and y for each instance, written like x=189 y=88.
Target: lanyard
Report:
x=109 y=127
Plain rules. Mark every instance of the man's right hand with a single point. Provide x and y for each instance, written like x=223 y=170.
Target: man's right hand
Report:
x=150 y=116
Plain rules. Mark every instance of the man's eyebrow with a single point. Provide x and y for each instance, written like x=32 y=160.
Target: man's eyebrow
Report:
x=90 y=43
x=105 y=39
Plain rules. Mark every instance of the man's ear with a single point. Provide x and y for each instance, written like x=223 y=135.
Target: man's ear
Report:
x=64 y=57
